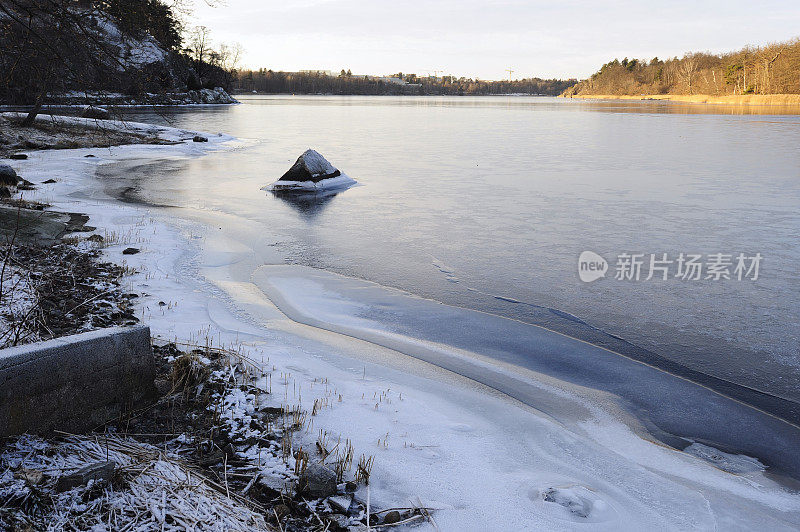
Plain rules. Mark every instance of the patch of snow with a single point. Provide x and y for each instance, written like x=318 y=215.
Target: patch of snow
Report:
x=340 y=182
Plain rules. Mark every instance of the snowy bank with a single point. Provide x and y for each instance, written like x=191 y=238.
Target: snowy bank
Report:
x=165 y=133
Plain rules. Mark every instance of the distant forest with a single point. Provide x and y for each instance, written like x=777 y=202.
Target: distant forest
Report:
x=771 y=69
x=268 y=81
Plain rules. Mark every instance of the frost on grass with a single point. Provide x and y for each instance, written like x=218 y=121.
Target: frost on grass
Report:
x=150 y=488
x=56 y=290
x=17 y=303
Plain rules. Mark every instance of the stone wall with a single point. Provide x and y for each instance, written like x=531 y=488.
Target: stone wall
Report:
x=75 y=383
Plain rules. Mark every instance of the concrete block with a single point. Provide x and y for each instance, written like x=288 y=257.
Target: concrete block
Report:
x=75 y=383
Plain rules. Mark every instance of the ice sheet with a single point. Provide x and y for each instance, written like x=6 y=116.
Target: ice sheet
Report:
x=495 y=351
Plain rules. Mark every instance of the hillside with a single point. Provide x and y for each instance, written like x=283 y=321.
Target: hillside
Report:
x=129 y=48
x=765 y=70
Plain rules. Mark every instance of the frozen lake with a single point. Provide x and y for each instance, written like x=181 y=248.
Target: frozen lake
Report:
x=486 y=203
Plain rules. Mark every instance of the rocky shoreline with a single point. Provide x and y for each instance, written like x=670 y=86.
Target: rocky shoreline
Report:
x=217 y=95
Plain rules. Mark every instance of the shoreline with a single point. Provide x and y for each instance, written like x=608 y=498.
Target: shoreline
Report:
x=786 y=100
x=196 y=271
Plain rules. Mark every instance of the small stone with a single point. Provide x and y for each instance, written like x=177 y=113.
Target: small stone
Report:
x=340 y=503
x=340 y=521
x=282 y=510
x=318 y=481
x=49 y=181
x=350 y=486
x=18 y=156
x=95 y=238
x=162 y=304
x=99 y=472
x=87 y=156
x=391 y=517
x=273 y=482
x=130 y=251
x=32 y=477
x=198 y=138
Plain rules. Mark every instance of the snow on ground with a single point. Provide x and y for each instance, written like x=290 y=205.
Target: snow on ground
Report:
x=483 y=460
x=18 y=299
x=165 y=133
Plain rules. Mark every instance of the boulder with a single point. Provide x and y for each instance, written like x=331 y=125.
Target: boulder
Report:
x=311 y=166
x=199 y=138
x=8 y=177
x=4 y=192
x=95 y=112
x=130 y=251
x=311 y=173
x=18 y=156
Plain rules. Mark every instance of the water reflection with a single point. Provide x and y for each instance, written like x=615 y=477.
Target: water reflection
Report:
x=521 y=102
x=309 y=205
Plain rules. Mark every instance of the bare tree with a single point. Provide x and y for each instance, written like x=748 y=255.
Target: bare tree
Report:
x=767 y=57
x=687 y=67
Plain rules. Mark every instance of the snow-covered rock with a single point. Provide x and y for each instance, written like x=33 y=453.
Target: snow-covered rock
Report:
x=310 y=173
x=91 y=111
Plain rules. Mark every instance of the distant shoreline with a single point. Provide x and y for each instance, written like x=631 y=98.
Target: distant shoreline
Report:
x=745 y=99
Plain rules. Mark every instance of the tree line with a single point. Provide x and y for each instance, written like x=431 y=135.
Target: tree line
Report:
x=275 y=82
x=769 y=69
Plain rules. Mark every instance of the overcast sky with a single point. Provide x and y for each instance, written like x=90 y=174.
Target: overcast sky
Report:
x=556 y=38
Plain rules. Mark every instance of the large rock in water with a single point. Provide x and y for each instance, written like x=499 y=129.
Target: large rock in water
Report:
x=311 y=172
x=311 y=166
x=95 y=112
